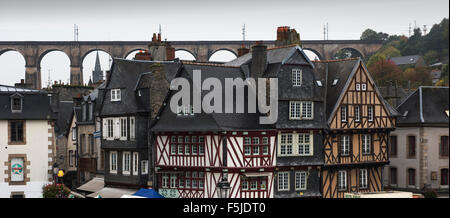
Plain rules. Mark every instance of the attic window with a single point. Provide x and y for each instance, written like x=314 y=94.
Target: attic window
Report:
x=335 y=82
x=16 y=103
x=115 y=95
x=446 y=112
x=405 y=114
x=319 y=83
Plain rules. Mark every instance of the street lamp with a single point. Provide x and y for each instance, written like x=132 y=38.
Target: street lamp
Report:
x=55 y=172
x=223 y=185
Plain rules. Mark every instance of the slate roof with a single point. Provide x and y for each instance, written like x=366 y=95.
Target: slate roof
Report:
x=126 y=75
x=402 y=60
x=425 y=106
x=65 y=109
x=169 y=121
x=36 y=104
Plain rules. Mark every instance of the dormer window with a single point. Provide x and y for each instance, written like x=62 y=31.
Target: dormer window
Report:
x=16 y=103
x=115 y=95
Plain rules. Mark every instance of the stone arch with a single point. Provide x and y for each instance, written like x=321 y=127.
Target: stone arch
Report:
x=83 y=56
x=319 y=55
x=350 y=49
x=42 y=55
x=62 y=71
x=222 y=49
x=188 y=51
x=15 y=71
x=133 y=50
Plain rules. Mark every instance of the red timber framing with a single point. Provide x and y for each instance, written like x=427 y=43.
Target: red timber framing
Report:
x=367 y=125
x=180 y=163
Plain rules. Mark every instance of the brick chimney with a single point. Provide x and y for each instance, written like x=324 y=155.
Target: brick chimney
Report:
x=143 y=55
x=160 y=51
x=287 y=36
x=243 y=50
x=77 y=99
x=259 y=60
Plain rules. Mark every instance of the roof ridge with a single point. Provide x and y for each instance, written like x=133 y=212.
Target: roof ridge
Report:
x=207 y=64
x=337 y=60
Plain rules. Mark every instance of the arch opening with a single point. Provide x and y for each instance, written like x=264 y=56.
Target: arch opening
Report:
x=348 y=53
x=89 y=66
x=184 y=55
x=12 y=64
x=54 y=66
x=222 y=55
x=312 y=54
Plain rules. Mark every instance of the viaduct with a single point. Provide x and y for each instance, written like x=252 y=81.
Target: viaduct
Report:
x=34 y=51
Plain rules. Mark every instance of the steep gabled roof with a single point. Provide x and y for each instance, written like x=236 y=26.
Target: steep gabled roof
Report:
x=426 y=106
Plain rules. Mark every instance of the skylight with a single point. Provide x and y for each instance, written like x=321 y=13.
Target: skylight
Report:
x=319 y=83
x=335 y=82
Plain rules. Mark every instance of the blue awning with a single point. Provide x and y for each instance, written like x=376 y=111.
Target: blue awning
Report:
x=148 y=193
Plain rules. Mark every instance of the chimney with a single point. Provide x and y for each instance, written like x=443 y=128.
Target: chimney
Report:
x=159 y=86
x=243 y=50
x=287 y=36
x=259 y=60
x=77 y=100
x=143 y=55
x=170 y=52
x=159 y=37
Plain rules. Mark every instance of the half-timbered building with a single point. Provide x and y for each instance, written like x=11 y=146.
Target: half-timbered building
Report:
x=301 y=119
x=196 y=151
x=359 y=121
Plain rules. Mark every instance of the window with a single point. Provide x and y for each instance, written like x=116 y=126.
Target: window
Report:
x=71 y=158
x=363 y=87
x=296 y=77
x=109 y=128
x=443 y=150
x=17 y=169
x=265 y=147
x=187 y=145
x=173 y=180
x=126 y=163
x=304 y=144
x=144 y=167
x=165 y=180
x=283 y=181
x=193 y=180
x=16 y=131
x=74 y=133
x=113 y=162
x=444 y=176
x=370 y=112
x=345 y=145
x=342 y=180
x=247 y=146
x=258 y=183
x=16 y=104
x=132 y=128
x=286 y=144
x=91 y=144
x=344 y=113
x=411 y=177
x=115 y=95
x=357 y=114
x=393 y=148
x=256 y=146
x=411 y=146
x=393 y=176
x=366 y=144
x=123 y=128
x=300 y=180
x=135 y=163
x=358 y=86
x=363 y=178
x=244 y=184
x=82 y=143
x=301 y=110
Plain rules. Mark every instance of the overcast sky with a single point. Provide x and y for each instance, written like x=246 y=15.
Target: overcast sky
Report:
x=201 y=20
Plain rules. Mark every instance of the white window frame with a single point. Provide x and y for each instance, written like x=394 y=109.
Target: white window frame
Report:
x=173 y=180
x=132 y=128
x=363 y=179
x=116 y=95
x=299 y=110
x=144 y=167
x=113 y=162
x=344 y=109
x=165 y=180
x=304 y=144
x=286 y=145
x=342 y=180
x=370 y=109
x=126 y=163
x=135 y=163
x=363 y=87
x=345 y=147
x=357 y=113
x=297 y=77
x=74 y=133
x=245 y=185
x=301 y=178
x=283 y=181
x=366 y=144
x=358 y=87
x=123 y=128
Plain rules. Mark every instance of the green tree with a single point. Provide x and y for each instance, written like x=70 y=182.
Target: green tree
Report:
x=376 y=58
x=431 y=57
x=369 y=34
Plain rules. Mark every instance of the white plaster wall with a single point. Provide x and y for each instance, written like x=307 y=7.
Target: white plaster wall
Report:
x=36 y=149
x=435 y=163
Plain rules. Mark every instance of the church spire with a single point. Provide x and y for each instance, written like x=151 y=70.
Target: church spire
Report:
x=97 y=73
x=97 y=63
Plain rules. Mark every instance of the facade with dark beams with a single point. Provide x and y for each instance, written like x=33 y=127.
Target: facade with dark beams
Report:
x=360 y=121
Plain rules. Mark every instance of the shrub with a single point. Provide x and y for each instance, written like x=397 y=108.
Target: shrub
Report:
x=55 y=191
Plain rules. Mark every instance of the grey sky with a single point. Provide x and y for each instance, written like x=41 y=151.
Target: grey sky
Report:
x=209 y=20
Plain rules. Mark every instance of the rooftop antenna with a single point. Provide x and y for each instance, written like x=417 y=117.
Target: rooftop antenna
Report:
x=415 y=25
x=243 y=33
x=424 y=29
x=159 y=29
x=324 y=32
x=75 y=32
x=327 y=30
